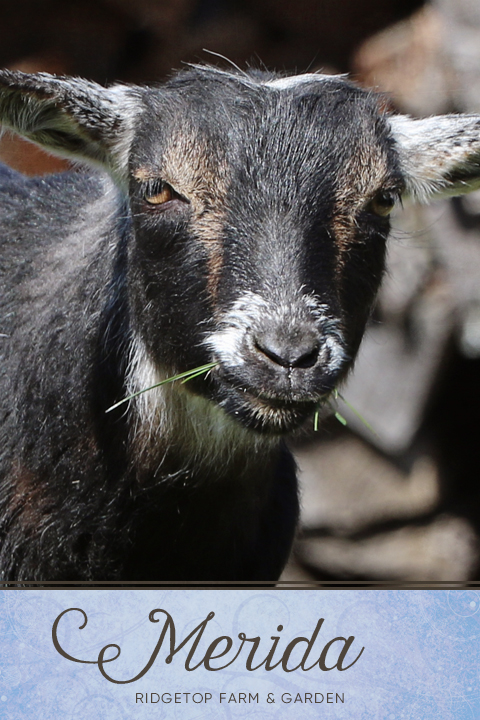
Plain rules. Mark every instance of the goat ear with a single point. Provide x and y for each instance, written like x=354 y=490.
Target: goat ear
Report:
x=439 y=156
x=71 y=117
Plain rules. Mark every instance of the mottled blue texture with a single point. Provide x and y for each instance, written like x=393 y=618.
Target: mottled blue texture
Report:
x=421 y=657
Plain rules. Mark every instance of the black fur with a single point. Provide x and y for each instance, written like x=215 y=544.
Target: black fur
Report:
x=270 y=218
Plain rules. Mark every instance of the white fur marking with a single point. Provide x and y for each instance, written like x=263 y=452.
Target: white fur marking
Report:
x=172 y=417
x=287 y=83
x=251 y=310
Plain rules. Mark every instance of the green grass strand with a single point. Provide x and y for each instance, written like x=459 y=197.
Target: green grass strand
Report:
x=183 y=376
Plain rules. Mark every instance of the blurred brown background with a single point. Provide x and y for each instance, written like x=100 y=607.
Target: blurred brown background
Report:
x=403 y=503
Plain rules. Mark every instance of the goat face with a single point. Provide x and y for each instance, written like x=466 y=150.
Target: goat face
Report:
x=260 y=236
x=260 y=213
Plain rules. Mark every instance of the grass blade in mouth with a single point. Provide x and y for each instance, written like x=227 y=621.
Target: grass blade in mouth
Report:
x=339 y=416
x=203 y=369
x=359 y=416
x=183 y=376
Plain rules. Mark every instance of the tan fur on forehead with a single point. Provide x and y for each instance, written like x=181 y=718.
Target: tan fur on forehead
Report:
x=357 y=181
x=208 y=228
x=195 y=168
x=361 y=176
x=200 y=173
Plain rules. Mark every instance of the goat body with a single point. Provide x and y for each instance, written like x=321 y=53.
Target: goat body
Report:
x=232 y=219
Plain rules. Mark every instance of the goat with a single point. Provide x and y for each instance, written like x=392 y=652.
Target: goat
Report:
x=235 y=219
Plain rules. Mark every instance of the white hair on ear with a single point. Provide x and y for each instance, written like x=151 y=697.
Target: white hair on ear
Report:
x=72 y=117
x=439 y=156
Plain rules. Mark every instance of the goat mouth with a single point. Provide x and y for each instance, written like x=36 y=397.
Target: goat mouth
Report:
x=273 y=415
x=278 y=418
x=260 y=410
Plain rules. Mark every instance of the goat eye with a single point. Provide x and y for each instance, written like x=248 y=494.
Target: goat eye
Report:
x=382 y=204
x=158 y=193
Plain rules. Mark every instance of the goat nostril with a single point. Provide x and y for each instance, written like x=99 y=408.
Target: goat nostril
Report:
x=271 y=354
x=308 y=359
x=290 y=355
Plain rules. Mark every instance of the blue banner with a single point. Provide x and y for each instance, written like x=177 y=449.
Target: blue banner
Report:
x=225 y=654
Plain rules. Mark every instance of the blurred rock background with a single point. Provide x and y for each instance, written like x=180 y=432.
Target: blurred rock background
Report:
x=403 y=502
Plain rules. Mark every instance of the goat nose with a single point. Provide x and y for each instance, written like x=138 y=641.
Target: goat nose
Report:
x=299 y=349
